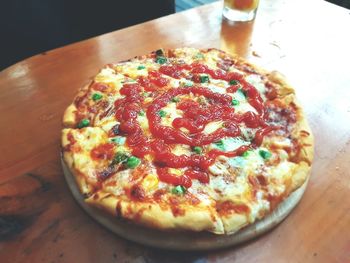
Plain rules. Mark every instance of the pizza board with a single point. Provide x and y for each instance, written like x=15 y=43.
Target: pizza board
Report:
x=180 y=240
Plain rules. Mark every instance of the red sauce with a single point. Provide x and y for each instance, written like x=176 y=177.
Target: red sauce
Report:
x=170 y=178
x=228 y=207
x=127 y=110
x=195 y=118
x=136 y=192
x=99 y=86
x=259 y=135
x=274 y=200
x=153 y=81
x=175 y=207
x=103 y=152
x=203 y=177
x=174 y=71
x=71 y=140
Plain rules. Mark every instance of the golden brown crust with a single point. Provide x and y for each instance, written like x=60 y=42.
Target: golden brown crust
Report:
x=154 y=215
x=304 y=134
x=68 y=156
x=69 y=118
x=284 y=88
x=197 y=217
x=301 y=133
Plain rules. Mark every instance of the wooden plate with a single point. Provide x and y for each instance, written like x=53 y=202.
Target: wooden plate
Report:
x=183 y=240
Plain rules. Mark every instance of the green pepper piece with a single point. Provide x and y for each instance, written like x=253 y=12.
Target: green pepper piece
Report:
x=246 y=153
x=161 y=60
x=132 y=162
x=118 y=140
x=178 y=190
x=204 y=78
x=96 y=96
x=175 y=99
x=220 y=145
x=141 y=67
x=233 y=82
x=160 y=52
x=83 y=123
x=243 y=92
x=235 y=102
x=265 y=154
x=188 y=84
x=162 y=113
x=197 y=149
x=199 y=56
x=120 y=157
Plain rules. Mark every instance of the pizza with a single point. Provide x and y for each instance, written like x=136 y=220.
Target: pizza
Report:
x=187 y=139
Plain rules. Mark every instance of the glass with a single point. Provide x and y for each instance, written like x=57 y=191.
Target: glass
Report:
x=240 y=10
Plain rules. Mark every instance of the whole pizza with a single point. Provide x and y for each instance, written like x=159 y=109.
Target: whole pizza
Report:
x=187 y=139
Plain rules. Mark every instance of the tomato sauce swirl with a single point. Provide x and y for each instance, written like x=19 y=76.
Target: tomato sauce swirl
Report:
x=196 y=116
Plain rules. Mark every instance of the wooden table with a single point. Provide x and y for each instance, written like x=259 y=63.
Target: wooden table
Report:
x=308 y=41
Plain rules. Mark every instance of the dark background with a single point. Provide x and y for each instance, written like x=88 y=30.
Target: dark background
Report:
x=343 y=3
x=29 y=27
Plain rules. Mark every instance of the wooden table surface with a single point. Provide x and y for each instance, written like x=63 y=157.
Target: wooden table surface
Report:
x=308 y=41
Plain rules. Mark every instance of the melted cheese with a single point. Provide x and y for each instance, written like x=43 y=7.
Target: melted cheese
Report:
x=171 y=114
x=243 y=105
x=212 y=127
x=108 y=76
x=229 y=144
x=258 y=83
x=106 y=123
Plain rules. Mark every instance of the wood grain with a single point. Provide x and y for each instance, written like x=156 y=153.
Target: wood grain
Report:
x=306 y=40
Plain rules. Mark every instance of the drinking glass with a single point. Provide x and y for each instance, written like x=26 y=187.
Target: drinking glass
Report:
x=240 y=10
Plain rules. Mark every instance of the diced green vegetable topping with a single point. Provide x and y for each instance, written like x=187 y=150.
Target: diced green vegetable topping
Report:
x=188 y=84
x=161 y=60
x=233 y=82
x=220 y=144
x=132 y=162
x=146 y=94
x=115 y=129
x=118 y=140
x=141 y=67
x=83 y=123
x=96 y=96
x=246 y=153
x=141 y=113
x=235 y=102
x=265 y=154
x=199 y=56
x=162 y=113
x=204 y=78
x=178 y=190
x=197 y=149
x=160 y=52
x=242 y=91
x=175 y=99
x=120 y=157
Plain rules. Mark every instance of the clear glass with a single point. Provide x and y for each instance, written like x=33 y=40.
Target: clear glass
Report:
x=240 y=10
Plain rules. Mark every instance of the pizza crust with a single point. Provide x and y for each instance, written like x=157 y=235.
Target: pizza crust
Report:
x=234 y=222
x=85 y=186
x=69 y=118
x=154 y=215
x=284 y=88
